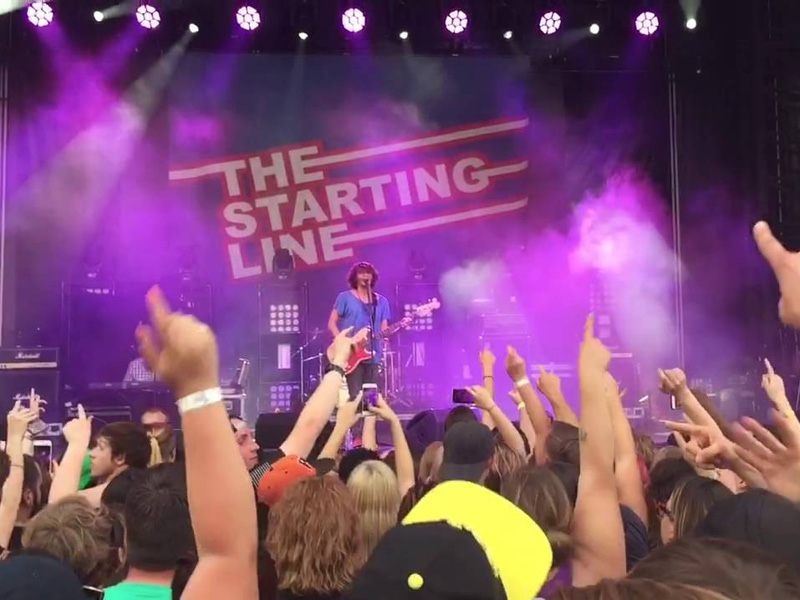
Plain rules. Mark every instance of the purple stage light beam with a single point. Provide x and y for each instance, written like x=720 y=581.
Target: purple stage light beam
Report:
x=248 y=18
x=148 y=16
x=456 y=22
x=647 y=23
x=40 y=14
x=354 y=20
x=550 y=22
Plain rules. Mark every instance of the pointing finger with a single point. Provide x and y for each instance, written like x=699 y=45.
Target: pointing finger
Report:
x=158 y=308
x=588 y=329
x=771 y=249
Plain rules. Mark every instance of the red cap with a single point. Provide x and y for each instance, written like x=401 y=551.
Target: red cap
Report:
x=280 y=477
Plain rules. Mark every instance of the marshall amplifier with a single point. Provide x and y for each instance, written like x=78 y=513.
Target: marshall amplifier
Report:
x=26 y=369
x=22 y=359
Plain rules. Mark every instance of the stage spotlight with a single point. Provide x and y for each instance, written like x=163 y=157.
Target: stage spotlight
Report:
x=508 y=35
x=594 y=28
x=99 y=16
x=248 y=18
x=353 y=20
x=148 y=16
x=456 y=22
x=550 y=23
x=691 y=23
x=302 y=35
x=193 y=28
x=647 y=23
x=40 y=14
x=403 y=35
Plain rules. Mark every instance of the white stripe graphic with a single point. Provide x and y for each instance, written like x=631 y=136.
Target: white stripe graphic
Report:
x=433 y=140
x=210 y=169
x=432 y=222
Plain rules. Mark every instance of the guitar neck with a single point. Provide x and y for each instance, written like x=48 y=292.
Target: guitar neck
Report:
x=392 y=329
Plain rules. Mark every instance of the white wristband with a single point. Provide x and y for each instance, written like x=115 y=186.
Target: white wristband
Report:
x=199 y=400
x=522 y=382
x=521 y=406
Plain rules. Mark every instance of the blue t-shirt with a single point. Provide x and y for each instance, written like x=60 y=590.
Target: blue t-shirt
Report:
x=356 y=314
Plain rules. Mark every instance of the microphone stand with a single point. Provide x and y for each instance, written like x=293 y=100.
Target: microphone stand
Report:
x=373 y=301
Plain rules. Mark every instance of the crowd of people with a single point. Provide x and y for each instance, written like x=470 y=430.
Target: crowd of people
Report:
x=541 y=504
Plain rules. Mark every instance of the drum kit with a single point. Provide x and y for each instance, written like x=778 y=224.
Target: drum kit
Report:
x=313 y=361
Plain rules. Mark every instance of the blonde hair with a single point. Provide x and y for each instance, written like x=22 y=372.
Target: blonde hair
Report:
x=314 y=537
x=162 y=446
x=374 y=487
x=431 y=462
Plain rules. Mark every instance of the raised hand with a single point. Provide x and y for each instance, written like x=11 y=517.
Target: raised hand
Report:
x=341 y=347
x=487 y=359
x=778 y=460
x=348 y=414
x=79 y=430
x=594 y=356
x=548 y=383
x=483 y=399
x=772 y=382
x=180 y=350
x=672 y=381
x=384 y=411
x=786 y=266
x=515 y=365
x=18 y=419
x=707 y=447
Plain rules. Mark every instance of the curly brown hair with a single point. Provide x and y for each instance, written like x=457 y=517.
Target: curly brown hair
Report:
x=360 y=268
x=315 y=537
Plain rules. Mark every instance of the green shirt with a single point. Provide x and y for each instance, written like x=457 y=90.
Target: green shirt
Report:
x=138 y=591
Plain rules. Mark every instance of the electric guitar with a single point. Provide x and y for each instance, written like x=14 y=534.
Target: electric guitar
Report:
x=360 y=352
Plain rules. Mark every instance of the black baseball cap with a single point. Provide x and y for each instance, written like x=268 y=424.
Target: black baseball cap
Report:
x=427 y=561
x=35 y=576
x=468 y=448
x=760 y=518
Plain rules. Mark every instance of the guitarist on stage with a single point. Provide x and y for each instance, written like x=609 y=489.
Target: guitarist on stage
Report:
x=361 y=307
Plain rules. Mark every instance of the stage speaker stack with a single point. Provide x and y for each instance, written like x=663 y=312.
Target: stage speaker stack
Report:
x=26 y=369
x=282 y=327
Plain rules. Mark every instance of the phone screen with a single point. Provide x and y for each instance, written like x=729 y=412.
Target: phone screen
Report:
x=461 y=396
x=43 y=451
x=369 y=397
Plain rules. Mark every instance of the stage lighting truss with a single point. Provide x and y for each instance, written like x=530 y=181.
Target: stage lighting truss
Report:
x=40 y=13
x=419 y=323
x=284 y=318
x=647 y=23
x=354 y=20
x=148 y=16
x=550 y=22
x=248 y=17
x=456 y=21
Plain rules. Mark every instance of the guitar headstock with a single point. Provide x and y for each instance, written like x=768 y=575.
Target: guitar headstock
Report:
x=423 y=310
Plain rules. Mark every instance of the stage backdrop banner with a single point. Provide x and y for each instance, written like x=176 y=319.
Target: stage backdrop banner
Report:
x=338 y=159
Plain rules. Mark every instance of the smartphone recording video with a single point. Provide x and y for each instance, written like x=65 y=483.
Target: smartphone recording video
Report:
x=369 y=397
x=461 y=396
x=43 y=452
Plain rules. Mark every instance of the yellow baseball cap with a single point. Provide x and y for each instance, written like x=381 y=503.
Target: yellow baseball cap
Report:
x=515 y=545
